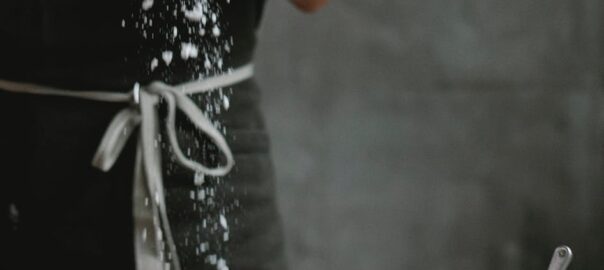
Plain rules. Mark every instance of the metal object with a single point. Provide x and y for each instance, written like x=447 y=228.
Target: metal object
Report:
x=561 y=259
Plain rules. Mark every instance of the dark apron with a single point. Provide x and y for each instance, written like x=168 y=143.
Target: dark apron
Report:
x=60 y=212
x=66 y=213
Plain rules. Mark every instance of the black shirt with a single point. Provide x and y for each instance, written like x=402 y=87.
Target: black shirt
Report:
x=98 y=45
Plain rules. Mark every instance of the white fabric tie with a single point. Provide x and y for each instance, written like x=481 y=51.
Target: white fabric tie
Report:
x=149 y=206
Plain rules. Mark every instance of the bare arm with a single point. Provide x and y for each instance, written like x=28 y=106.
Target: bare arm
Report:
x=309 y=5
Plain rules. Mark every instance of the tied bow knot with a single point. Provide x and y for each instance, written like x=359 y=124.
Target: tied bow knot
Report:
x=144 y=114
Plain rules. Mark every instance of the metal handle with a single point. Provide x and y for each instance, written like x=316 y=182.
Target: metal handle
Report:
x=561 y=259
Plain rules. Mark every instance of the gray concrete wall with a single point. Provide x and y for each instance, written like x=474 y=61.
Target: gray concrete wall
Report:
x=437 y=134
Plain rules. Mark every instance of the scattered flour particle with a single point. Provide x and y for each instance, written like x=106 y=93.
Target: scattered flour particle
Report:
x=226 y=103
x=214 y=18
x=154 y=63
x=199 y=178
x=195 y=14
x=223 y=222
x=212 y=259
x=147 y=4
x=207 y=63
x=201 y=195
x=167 y=57
x=202 y=32
x=188 y=50
x=174 y=31
x=123 y=23
x=203 y=247
x=13 y=213
x=216 y=31
x=222 y=265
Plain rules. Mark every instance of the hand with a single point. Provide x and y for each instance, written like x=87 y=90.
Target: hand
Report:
x=309 y=5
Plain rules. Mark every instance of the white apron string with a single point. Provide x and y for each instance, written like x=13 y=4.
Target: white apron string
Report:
x=151 y=225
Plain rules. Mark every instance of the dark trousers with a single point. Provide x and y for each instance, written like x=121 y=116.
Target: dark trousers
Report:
x=60 y=212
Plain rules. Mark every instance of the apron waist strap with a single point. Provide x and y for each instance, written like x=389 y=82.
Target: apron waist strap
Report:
x=148 y=182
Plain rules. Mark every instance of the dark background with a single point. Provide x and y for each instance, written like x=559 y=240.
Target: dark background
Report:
x=437 y=134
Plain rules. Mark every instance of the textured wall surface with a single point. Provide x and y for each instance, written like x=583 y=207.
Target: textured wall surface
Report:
x=437 y=134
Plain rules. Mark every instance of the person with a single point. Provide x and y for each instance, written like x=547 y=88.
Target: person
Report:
x=309 y=5
x=67 y=69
